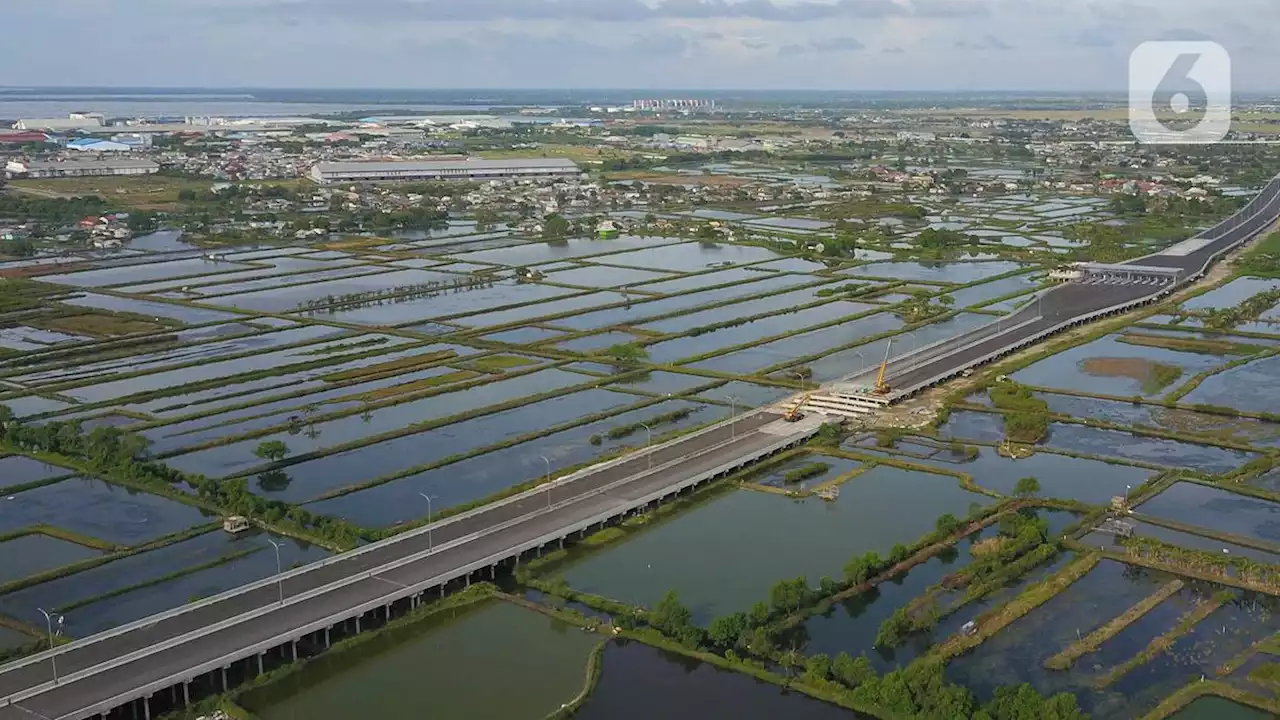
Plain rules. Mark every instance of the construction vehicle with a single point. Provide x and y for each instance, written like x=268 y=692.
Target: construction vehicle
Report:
x=794 y=414
x=881 y=387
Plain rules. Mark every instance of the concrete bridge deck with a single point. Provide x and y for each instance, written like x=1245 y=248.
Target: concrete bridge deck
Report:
x=111 y=670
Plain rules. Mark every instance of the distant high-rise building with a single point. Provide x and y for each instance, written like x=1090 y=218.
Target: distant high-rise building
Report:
x=674 y=104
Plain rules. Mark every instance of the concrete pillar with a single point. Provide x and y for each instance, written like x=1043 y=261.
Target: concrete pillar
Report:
x=493 y=572
x=539 y=551
x=260 y=668
x=186 y=690
x=293 y=650
x=146 y=707
x=326 y=638
x=561 y=543
x=357 y=624
x=223 y=673
x=468 y=579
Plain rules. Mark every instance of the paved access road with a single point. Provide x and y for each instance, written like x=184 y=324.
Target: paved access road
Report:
x=525 y=516
x=1074 y=300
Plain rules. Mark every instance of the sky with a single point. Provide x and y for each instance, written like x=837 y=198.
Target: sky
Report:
x=908 y=45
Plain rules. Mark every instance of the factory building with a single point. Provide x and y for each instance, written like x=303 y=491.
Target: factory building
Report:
x=97 y=145
x=80 y=168
x=468 y=169
x=74 y=121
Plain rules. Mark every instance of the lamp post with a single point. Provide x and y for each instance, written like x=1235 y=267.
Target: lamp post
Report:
x=548 y=462
x=279 y=569
x=430 y=544
x=648 y=446
x=733 y=416
x=53 y=657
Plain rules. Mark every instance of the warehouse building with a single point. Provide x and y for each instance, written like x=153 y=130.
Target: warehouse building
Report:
x=467 y=169
x=80 y=168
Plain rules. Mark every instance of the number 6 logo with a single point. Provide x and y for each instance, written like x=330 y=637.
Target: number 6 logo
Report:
x=1180 y=93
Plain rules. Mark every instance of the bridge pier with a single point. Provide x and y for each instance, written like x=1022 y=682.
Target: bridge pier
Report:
x=222 y=672
x=146 y=707
x=186 y=689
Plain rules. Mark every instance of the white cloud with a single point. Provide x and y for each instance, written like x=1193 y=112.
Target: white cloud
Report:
x=914 y=44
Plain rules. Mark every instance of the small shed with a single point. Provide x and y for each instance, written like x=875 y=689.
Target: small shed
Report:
x=235 y=524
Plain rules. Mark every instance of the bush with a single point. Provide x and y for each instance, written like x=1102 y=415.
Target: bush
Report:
x=805 y=472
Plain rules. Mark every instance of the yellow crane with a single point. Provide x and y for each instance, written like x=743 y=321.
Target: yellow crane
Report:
x=795 y=414
x=881 y=388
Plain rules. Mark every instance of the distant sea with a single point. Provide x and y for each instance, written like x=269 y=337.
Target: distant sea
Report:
x=17 y=103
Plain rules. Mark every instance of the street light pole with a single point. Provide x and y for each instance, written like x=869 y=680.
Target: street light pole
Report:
x=733 y=416
x=430 y=545
x=279 y=569
x=53 y=657
x=548 y=462
x=648 y=446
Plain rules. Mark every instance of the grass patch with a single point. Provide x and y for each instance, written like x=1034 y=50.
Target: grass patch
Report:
x=1161 y=377
x=344 y=347
x=417 y=385
x=1191 y=345
x=805 y=472
x=625 y=431
x=225 y=559
x=96 y=325
x=1269 y=673
x=1033 y=597
x=1211 y=688
x=146 y=192
x=393 y=367
x=1162 y=643
x=499 y=363
x=1026 y=418
x=1068 y=657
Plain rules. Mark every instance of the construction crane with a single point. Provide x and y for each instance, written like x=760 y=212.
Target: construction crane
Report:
x=794 y=414
x=881 y=388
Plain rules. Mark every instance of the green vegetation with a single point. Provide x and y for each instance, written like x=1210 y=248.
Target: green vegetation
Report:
x=1263 y=260
x=1230 y=569
x=805 y=472
x=1191 y=345
x=845 y=289
x=500 y=363
x=272 y=450
x=122 y=457
x=1162 y=376
x=1247 y=311
x=1027 y=487
x=624 y=431
x=168 y=577
x=627 y=355
x=1094 y=640
x=1026 y=417
x=1163 y=642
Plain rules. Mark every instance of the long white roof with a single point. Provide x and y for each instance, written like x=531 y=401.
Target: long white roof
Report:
x=435 y=165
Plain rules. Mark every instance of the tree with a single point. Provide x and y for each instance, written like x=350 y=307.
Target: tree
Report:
x=555 y=227
x=727 y=632
x=787 y=596
x=670 y=616
x=628 y=354
x=853 y=671
x=272 y=450
x=948 y=524
x=817 y=668
x=1027 y=487
x=860 y=569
